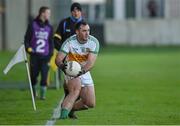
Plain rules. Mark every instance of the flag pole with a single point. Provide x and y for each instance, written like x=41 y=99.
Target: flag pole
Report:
x=30 y=84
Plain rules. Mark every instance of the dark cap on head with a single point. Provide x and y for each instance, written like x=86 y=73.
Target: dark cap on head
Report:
x=76 y=6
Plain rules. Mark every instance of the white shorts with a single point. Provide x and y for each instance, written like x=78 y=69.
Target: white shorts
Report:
x=86 y=79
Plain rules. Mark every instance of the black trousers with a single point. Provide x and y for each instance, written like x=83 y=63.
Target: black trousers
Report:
x=39 y=64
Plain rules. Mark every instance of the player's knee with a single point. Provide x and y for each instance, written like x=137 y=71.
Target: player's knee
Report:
x=75 y=92
x=90 y=104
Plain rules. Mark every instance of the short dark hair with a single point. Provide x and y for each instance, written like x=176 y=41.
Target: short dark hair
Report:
x=43 y=9
x=76 y=6
x=78 y=25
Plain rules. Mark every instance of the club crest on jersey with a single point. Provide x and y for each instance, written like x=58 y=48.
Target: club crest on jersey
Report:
x=83 y=49
x=87 y=49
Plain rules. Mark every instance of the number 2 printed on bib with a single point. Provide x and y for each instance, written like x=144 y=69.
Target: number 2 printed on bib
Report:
x=40 y=46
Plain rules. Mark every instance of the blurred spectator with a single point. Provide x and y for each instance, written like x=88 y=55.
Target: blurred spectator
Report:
x=66 y=26
x=39 y=44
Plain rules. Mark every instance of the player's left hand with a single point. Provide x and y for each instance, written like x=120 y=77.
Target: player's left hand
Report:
x=81 y=73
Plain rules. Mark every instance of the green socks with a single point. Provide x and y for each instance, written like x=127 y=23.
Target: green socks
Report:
x=64 y=113
x=43 y=92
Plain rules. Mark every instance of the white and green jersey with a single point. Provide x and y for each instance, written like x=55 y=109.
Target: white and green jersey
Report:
x=79 y=52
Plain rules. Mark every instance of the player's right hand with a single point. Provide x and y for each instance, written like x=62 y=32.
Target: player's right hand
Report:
x=63 y=67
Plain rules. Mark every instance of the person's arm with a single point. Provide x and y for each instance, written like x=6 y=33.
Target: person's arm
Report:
x=90 y=62
x=61 y=56
x=58 y=36
x=51 y=44
x=91 y=57
x=27 y=38
x=59 y=59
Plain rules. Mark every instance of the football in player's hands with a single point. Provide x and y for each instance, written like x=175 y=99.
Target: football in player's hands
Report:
x=73 y=68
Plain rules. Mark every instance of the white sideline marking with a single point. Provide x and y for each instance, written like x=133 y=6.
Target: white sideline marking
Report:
x=56 y=114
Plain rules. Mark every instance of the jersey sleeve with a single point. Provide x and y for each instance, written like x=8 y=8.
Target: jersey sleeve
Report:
x=59 y=31
x=65 y=48
x=51 y=44
x=58 y=36
x=28 y=36
x=94 y=46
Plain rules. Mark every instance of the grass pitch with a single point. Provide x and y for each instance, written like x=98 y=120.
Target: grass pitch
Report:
x=133 y=86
